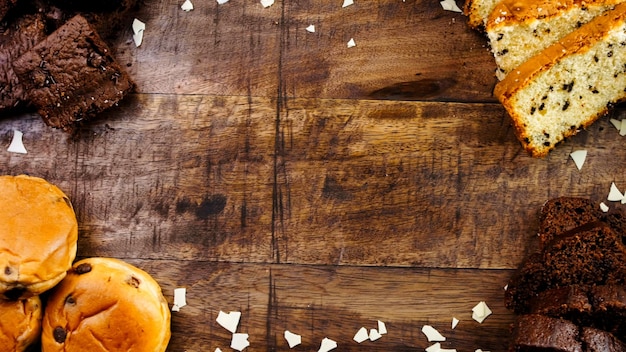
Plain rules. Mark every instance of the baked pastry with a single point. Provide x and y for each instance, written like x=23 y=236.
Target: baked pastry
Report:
x=534 y=332
x=71 y=75
x=596 y=340
x=105 y=304
x=519 y=30
x=568 y=85
x=477 y=12
x=38 y=235
x=17 y=38
x=20 y=323
x=593 y=255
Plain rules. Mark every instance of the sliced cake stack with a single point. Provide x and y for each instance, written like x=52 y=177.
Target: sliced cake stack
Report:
x=561 y=64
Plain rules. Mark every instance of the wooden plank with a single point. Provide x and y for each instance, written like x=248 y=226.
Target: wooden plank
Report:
x=323 y=182
x=333 y=302
x=411 y=50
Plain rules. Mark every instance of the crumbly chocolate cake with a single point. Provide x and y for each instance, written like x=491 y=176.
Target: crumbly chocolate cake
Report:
x=589 y=255
x=535 y=332
x=15 y=39
x=569 y=302
x=71 y=75
x=595 y=340
x=559 y=215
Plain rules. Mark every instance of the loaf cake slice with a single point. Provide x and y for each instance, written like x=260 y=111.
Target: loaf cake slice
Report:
x=534 y=332
x=477 y=12
x=519 y=30
x=568 y=85
x=562 y=214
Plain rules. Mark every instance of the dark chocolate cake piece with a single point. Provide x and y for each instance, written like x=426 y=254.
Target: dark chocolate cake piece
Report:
x=590 y=255
x=15 y=39
x=595 y=340
x=535 y=332
x=568 y=302
x=71 y=75
x=559 y=215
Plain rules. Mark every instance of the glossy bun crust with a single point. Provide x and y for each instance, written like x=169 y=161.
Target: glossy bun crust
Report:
x=38 y=235
x=20 y=323
x=106 y=304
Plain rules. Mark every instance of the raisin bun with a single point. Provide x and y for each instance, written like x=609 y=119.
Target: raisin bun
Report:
x=106 y=304
x=38 y=235
x=20 y=323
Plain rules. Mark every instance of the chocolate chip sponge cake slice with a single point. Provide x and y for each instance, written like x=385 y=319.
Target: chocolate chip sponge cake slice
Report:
x=568 y=85
x=519 y=30
x=477 y=12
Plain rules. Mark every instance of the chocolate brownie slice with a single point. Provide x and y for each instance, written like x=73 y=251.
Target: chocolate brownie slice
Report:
x=15 y=39
x=535 y=332
x=71 y=76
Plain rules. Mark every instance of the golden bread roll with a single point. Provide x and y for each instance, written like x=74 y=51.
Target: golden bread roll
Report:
x=20 y=323
x=38 y=235
x=105 y=304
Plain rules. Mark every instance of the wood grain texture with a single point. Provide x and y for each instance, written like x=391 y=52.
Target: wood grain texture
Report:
x=313 y=187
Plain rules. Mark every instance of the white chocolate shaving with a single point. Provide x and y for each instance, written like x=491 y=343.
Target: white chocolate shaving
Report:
x=579 y=157
x=310 y=28
x=17 y=145
x=382 y=328
x=239 y=342
x=347 y=3
x=455 y=322
x=480 y=312
x=450 y=5
x=267 y=3
x=374 y=335
x=187 y=5
x=604 y=207
x=351 y=43
x=138 y=29
x=432 y=334
x=229 y=321
x=292 y=339
x=180 y=299
x=361 y=335
x=614 y=194
x=327 y=345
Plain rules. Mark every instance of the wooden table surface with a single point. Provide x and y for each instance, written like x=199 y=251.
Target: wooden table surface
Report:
x=314 y=187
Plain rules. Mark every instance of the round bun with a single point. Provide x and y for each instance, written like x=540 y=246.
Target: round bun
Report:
x=20 y=323
x=38 y=236
x=105 y=304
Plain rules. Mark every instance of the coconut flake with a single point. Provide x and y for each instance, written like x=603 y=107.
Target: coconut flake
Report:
x=347 y=3
x=450 y=5
x=374 y=335
x=239 y=342
x=229 y=321
x=617 y=123
x=604 y=207
x=267 y=3
x=310 y=28
x=187 y=6
x=327 y=345
x=455 y=322
x=292 y=339
x=138 y=29
x=17 y=145
x=579 y=157
x=382 y=328
x=480 y=312
x=180 y=299
x=361 y=335
x=614 y=194
x=432 y=334
x=351 y=43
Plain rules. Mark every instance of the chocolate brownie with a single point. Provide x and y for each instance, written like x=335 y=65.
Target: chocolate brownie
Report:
x=71 y=75
x=592 y=254
x=15 y=39
x=595 y=340
x=535 y=332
